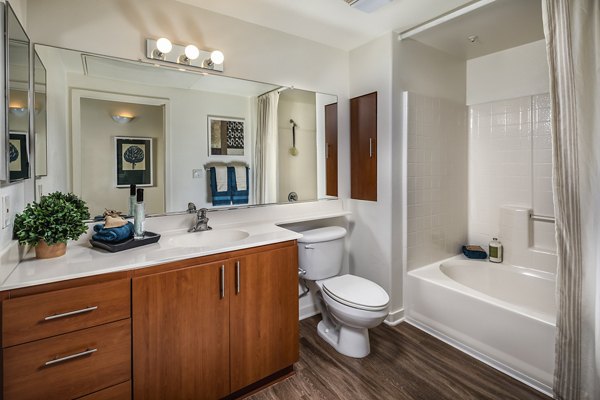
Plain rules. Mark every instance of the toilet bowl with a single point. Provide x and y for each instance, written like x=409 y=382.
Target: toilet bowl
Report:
x=349 y=305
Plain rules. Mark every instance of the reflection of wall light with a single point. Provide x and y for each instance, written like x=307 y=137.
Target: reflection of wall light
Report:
x=18 y=111
x=122 y=118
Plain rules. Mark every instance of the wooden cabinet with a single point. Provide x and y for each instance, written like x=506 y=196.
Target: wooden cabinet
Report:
x=263 y=315
x=331 y=149
x=363 y=147
x=181 y=333
x=205 y=331
x=66 y=344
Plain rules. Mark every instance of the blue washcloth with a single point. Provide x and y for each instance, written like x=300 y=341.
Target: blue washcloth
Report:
x=474 y=252
x=113 y=234
x=219 y=198
x=238 y=196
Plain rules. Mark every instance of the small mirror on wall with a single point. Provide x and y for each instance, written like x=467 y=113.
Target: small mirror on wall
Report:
x=226 y=136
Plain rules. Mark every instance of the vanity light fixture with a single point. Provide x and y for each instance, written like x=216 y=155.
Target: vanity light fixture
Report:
x=17 y=111
x=184 y=55
x=122 y=118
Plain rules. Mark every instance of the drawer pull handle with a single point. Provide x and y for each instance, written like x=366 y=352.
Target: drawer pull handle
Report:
x=67 y=314
x=72 y=356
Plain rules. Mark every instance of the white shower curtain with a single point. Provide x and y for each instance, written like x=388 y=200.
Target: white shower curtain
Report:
x=572 y=30
x=265 y=150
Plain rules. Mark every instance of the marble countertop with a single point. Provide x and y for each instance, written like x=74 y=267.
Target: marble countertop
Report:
x=83 y=260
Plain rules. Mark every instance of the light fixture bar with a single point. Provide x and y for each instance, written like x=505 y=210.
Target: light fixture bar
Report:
x=177 y=55
x=444 y=18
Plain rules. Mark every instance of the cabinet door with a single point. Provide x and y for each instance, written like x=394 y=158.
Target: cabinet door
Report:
x=331 y=149
x=264 y=315
x=181 y=334
x=363 y=147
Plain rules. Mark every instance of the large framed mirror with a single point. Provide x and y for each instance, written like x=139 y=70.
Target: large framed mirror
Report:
x=17 y=98
x=111 y=122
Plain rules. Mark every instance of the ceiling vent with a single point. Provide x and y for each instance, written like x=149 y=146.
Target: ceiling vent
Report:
x=367 y=5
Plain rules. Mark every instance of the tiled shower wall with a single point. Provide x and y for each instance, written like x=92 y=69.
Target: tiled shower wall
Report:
x=436 y=179
x=510 y=164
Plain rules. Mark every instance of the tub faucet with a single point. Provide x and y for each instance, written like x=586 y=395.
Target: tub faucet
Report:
x=201 y=223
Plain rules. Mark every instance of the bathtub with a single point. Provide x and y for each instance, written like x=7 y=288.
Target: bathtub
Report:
x=501 y=314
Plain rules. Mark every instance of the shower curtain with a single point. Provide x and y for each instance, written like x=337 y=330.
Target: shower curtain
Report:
x=572 y=30
x=265 y=150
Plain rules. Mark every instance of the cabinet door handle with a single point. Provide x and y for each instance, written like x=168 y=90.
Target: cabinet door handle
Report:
x=327 y=151
x=222 y=282
x=237 y=277
x=72 y=356
x=67 y=314
x=370 y=148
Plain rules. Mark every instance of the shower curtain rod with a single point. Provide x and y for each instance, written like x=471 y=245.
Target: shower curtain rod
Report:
x=278 y=90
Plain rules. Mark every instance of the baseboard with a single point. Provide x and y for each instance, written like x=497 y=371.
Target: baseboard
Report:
x=484 y=358
x=308 y=311
x=395 y=317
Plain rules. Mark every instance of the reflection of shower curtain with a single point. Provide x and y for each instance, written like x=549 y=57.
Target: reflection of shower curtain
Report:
x=265 y=151
x=572 y=29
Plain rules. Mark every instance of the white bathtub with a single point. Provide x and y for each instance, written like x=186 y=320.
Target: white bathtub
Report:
x=501 y=314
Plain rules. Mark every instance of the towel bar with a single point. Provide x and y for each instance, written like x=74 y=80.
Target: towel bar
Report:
x=542 y=218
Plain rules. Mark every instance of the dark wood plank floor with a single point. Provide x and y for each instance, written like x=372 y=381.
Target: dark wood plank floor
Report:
x=405 y=363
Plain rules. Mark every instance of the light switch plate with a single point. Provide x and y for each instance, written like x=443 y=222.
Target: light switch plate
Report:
x=5 y=213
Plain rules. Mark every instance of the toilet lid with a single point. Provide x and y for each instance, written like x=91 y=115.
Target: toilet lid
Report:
x=356 y=292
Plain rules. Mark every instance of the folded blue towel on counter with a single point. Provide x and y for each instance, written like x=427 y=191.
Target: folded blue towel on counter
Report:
x=238 y=196
x=113 y=234
x=219 y=198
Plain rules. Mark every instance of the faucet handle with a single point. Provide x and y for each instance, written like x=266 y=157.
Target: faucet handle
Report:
x=202 y=212
x=191 y=208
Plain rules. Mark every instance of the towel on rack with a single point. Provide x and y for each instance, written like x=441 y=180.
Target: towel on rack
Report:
x=240 y=177
x=238 y=196
x=221 y=176
x=219 y=197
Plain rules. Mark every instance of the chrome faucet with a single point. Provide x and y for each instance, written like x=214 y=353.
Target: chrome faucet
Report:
x=201 y=223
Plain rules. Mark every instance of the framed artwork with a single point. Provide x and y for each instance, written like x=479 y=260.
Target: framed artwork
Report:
x=225 y=136
x=18 y=155
x=133 y=161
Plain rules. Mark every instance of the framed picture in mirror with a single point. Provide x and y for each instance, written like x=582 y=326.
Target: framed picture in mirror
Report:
x=226 y=136
x=18 y=155
x=133 y=161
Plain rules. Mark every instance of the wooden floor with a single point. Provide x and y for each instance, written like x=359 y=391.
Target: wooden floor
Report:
x=405 y=363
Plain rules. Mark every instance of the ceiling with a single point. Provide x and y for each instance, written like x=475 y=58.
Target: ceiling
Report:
x=331 y=22
x=498 y=26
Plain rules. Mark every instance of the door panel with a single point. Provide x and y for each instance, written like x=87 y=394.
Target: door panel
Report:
x=363 y=147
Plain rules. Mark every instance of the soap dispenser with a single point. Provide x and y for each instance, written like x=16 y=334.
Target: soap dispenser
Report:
x=132 y=199
x=495 y=251
x=139 y=216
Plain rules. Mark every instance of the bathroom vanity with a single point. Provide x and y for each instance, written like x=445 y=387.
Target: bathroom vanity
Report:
x=202 y=327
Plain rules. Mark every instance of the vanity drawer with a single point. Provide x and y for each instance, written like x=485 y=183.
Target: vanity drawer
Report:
x=43 y=315
x=70 y=365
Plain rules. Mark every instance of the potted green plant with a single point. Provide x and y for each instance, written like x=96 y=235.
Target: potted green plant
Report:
x=49 y=224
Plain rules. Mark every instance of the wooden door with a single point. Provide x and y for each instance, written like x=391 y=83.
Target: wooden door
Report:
x=263 y=315
x=181 y=333
x=363 y=147
x=331 y=149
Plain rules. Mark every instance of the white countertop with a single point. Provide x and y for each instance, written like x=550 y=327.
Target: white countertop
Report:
x=83 y=260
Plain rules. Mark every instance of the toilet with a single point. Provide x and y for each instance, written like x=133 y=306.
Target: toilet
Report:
x=349 y=305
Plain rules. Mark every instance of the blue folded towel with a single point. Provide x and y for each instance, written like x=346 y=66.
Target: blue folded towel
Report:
x=474 y=252
x=113 y=234
x=237 y=196
x=219 y=198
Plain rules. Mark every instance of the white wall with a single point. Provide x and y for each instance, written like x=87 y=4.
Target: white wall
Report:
x=516 y=72
x=371 y=224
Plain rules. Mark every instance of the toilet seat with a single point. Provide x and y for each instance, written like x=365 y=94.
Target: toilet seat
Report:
x=356 y=292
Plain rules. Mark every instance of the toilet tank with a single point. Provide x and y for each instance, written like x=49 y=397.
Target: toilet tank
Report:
x=321 y=251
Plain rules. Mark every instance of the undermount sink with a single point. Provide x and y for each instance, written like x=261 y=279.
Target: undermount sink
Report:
x=209 y=238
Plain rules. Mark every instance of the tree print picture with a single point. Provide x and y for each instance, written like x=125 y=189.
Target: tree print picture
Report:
x=134 y=161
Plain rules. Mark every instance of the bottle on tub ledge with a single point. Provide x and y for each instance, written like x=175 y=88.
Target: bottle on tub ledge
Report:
x=495 y=251
x=139 y=216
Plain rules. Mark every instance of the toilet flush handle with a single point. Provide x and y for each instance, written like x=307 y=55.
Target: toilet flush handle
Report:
x=309 y=246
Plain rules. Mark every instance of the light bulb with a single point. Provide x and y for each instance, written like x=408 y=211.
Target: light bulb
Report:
x=164 y=45
x=192 y=52
x=217 y=57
